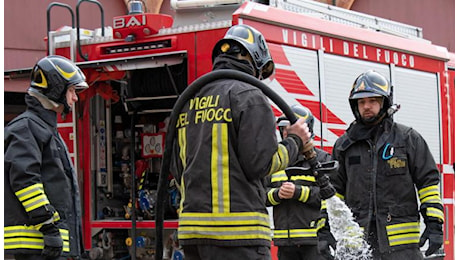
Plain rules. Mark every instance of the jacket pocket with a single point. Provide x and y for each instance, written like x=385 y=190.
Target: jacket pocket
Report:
x=397 y=162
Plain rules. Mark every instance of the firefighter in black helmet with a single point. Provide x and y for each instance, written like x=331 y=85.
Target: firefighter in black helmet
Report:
x=43 y=219
x=384 y=167
x=223 y=151
x=299 y=206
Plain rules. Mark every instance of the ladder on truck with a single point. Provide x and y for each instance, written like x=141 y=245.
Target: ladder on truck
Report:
x=349 y=17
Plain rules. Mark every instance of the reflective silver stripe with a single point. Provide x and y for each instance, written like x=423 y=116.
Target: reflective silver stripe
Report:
x=229 y=219
x=27 y=243
x=225 y=233
x=295 y=233
x=434 y=212
x=36 y=202
x=280 y=159
x=28 y=237
x=411 y=238
x=220 y=179
x=403 y=233
x=32 y=197
x=30 y=191
x=279 y=176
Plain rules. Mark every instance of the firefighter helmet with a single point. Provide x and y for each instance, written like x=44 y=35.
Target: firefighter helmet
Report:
x=252 y=42
x=371 y=84
x=299 y=112
x=53 y=75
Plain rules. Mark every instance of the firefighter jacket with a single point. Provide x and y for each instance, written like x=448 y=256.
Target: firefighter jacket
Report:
x=40 y=184
x=298 y=219
x=381 y=169
x=226 y=144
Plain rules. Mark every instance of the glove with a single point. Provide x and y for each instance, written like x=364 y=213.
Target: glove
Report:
x=308 y=150
x=326 y=240
x=326 y=190
x=52 y=239
x=433 y=232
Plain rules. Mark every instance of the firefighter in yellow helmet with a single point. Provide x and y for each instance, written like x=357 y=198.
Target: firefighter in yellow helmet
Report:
x=387 y=175
x=224 y=150
x=43 y=219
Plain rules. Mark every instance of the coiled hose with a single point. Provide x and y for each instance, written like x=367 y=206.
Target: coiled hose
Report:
x=188 y=93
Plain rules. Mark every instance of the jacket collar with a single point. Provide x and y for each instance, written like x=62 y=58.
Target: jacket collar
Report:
x=33 y=105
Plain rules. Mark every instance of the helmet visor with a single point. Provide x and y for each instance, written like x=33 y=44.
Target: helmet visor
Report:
x=81 y=86
x=364 y=94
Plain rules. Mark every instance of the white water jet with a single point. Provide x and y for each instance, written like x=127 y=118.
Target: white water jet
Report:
x=350 y=238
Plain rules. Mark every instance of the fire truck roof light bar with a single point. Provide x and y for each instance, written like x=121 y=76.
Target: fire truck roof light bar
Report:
x=185 y=4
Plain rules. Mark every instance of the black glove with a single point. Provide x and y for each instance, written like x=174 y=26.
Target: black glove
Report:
x=326 y=240
x=52 y=239
x=326 y=190
x=433 y=232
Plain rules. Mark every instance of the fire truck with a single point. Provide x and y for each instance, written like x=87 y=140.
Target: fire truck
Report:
x=138 y=66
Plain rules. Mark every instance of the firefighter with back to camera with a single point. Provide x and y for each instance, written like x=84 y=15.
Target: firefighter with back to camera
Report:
x=384 y=165
x=226 y=144
x=43 y=218
x=298 y=196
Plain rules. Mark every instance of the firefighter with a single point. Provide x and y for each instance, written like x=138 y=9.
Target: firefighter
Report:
x=226 y=144
x=43 y=218
x=299 y=206
x=384 y=165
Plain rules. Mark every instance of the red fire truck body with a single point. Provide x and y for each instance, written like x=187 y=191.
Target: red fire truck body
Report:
x=136 y=74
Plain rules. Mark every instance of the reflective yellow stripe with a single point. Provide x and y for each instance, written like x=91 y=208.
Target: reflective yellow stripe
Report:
x=230 y=219
x=280 y=159
x=28 y=237
x=434 y=212
x=220 y=179
x=305 y=194
x=403 y=228
x=323 y=204
x=56 y=217
x=342 y=197
x=295 y=233
x=225 y=233
x=428 y=191
x=271 y=197
x=224 y=226
x=279 y=176
x=182 y=139
x=36 y=202
x=403 y=233
x=321 y=223
x=303 y=178
x=411 y=238
x=32 y=197
x=30 y=191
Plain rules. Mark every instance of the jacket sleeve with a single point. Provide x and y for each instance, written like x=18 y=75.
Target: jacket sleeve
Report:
x=24 y=142
x=259 y=152
x=426 y=177
x=272 y=188
x=339 y=179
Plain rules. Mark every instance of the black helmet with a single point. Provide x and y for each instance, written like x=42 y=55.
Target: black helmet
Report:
x=299 y=112
x=53 y=75
x=252 y=42
x=371 y=84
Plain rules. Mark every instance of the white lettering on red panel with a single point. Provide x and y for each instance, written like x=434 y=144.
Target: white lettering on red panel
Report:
x=346 y=48
x=124 y=22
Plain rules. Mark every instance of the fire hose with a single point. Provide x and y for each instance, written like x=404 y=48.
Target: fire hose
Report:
x=189 y=93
